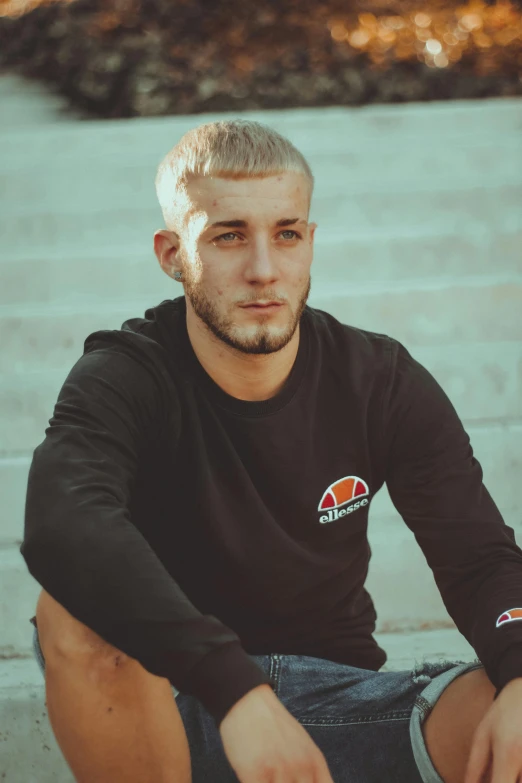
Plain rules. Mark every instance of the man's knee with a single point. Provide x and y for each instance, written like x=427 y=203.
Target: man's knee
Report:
x=450 y=728
x=62 y=637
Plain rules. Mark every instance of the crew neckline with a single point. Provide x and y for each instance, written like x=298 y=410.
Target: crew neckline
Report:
x=220 y=397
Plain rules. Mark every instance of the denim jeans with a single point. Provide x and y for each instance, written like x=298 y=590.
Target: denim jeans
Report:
x=368 y=725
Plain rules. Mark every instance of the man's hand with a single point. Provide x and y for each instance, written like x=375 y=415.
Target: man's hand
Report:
x=264 y=743
x=497 y=743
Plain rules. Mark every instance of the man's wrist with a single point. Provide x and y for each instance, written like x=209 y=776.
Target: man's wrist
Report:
x=509 y=667
x=511 y=685
x=265 y=692
x=222 y=677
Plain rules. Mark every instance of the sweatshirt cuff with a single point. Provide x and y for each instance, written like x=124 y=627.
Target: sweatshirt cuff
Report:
x=509 y=667
x=222 y=677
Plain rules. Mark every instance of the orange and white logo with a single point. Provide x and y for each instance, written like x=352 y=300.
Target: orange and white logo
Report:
x=509 y=616
x=340 y=493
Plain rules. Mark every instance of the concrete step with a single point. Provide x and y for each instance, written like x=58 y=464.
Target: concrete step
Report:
x=30 y=753
x=409 y=125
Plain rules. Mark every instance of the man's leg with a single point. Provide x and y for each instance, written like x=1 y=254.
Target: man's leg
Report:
x=449 y=728
x=114 y=721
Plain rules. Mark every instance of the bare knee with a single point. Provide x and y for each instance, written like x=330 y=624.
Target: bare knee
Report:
x=64 y=638
x=450 y=728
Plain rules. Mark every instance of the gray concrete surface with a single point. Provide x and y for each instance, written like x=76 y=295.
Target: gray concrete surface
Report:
x=420 y=237
x=420 y=230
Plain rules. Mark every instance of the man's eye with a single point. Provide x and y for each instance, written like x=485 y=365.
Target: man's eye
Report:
x=235 y=234
x=230 y=234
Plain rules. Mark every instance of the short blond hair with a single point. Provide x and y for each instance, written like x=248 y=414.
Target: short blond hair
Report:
x=232 y=149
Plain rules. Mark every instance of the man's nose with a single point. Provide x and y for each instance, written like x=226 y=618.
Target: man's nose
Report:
x=262 y=263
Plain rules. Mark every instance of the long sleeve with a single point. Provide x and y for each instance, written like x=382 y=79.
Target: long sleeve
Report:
x=435 y=483
x=81 y=546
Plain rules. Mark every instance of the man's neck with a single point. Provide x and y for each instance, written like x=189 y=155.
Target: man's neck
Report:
x=252 y=377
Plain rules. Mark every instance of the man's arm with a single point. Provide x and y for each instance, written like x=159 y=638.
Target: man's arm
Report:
x=436 y=485
x=81 y=546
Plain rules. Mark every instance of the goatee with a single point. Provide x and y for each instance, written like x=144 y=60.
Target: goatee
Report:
x=266 y=338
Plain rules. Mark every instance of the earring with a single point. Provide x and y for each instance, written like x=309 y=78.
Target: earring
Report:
x=177 y=275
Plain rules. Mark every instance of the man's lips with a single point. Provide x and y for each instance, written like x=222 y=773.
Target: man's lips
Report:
x=262 y=305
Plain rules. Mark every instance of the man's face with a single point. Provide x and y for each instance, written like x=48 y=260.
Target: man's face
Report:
x=230 y=272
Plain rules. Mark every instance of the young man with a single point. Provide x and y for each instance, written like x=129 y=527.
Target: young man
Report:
x=197 y=517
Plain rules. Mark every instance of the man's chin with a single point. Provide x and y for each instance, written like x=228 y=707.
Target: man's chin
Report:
x=264 y=343
x=261 y=339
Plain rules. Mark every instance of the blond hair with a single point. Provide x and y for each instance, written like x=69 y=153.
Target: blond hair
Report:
x=232 y=149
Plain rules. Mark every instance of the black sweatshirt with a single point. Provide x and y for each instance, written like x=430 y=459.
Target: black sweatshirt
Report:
x=191 y=529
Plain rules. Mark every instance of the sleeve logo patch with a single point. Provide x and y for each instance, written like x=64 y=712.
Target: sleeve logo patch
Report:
x=509 y=616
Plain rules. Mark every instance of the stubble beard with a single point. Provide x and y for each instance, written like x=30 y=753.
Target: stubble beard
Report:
x=262 y=341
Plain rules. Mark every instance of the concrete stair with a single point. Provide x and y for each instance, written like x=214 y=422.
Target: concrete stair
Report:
x=420 y=237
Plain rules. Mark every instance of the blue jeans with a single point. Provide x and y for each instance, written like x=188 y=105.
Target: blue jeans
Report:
x=368 y=725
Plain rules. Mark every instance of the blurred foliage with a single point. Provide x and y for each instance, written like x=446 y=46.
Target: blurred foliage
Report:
x=124 y=58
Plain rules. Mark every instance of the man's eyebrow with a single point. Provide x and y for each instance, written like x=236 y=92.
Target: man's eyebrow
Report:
x=244 y=224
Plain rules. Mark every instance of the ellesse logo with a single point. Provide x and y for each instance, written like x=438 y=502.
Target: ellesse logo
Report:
x=339 y=494
x=509 y=616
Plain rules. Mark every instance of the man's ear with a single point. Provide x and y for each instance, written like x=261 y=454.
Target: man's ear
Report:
x=166 y=245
